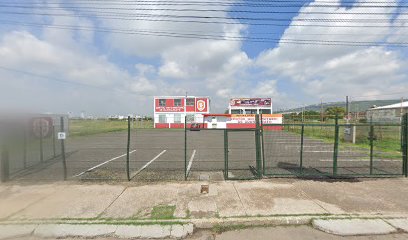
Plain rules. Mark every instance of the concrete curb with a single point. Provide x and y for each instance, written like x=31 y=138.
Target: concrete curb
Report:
x=9 y=231
x=399 y=223
x=154 y=231
x=353 y=227
x=180 y=228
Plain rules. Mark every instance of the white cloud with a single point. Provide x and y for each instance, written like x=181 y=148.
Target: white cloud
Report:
x=135 y=67
x=200 y=66
x=68 y=79
x=146 y=40
x=332 y=72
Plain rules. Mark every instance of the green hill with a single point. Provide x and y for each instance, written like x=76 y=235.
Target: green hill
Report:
x=355 y=106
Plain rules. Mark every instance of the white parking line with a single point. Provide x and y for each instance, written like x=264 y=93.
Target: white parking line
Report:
x=191 y=161
x=147 y=164
x=360 y=160
x=330 y=151
x=99 y=165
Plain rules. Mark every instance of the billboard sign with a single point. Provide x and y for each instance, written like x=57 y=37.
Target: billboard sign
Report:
x=169 y=109
x=250 y=118
x=251 y=102
x=41 y=127
x=202 y=105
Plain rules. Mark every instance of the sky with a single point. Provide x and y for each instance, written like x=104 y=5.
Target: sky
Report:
x=111 y=57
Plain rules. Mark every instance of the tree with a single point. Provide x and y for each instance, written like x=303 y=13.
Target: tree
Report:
x=331 y=112
x=311 y=113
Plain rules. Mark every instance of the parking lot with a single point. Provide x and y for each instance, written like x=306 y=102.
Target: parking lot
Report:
x=160 y=154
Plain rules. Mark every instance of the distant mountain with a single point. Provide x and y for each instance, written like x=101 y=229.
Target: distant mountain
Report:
x=355 y=106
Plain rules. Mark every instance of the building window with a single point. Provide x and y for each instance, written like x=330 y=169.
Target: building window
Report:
x=162 y=118
x=162 y=102
x=190 y=118
x=177 y=118
x=250 y=111
x=177 y=102
x=190 y=102
x=265 y=111
x=236 y=111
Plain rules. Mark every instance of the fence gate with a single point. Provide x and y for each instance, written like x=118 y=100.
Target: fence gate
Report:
x=243 y=158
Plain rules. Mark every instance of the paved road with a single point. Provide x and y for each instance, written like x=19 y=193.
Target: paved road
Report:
x=281 y=233
x=290 y=233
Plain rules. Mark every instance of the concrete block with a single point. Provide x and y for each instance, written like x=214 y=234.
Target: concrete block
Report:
x=128 y=231
x=399 y=223
x=11 y=231
x=155 y=231
x=350 y=227
x=74 y=230
x=181 y=231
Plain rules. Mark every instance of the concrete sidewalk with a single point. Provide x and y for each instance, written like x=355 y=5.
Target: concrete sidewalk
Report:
x=273 y=197
x=264 y=202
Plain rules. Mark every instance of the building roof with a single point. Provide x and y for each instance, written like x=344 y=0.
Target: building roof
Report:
x=216 y=115
x=181 y=96
x=396 y=105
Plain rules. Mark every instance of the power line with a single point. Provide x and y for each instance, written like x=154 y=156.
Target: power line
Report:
x=154 y=16
x=220 y=33
x=378 y=95
x=279 y=4
x=219 y=37
x=146 y=18
x=193 y=10
x=65 y=81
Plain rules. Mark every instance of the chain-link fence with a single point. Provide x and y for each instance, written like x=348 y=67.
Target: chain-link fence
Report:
x=335 y=150
x=120 y=150
x=30 y=146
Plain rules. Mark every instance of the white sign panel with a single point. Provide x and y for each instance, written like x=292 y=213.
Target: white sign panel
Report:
x=61 y=136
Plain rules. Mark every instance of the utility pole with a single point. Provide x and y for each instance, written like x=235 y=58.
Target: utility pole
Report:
x=321 y=110
x=185 y=111
x=402 y=103
x=347 y=109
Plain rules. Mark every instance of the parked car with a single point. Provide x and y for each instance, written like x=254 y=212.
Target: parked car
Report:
x=195 y=127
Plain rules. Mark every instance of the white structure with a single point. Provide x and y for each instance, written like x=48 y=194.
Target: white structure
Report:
x=170 y=111
x=389 y=113
x=241 y=120
x=250 y=106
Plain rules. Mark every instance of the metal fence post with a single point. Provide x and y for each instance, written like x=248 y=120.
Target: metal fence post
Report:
x=41 y=142
x=405 y=146
x=302 y=131
x=263 y=148
x=53 y=140
x=185 y=148
x=371 y=135
x=226 y=154
x=336 y=146
x=258 y=147
x=64 y=163
x=4 y=164
x=127 y=150
x=24 y=148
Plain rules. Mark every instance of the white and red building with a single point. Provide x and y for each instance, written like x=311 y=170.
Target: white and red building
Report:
x=241 y=120
x=242 y=113
x=170 y=111
x=250 y=106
